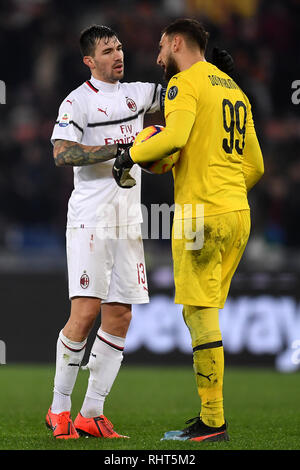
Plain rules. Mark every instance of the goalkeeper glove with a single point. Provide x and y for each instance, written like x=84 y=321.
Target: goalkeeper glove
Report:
x=223 y=60
x=121 y=147
x=122 y=166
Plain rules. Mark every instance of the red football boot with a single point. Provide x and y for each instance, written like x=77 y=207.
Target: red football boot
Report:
x=99 y=426
x=62 y=425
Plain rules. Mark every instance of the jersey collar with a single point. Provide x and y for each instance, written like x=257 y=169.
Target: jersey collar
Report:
x=104 y=87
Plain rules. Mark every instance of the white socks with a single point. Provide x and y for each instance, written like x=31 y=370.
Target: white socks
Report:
x=69 y=355
x=104 y=364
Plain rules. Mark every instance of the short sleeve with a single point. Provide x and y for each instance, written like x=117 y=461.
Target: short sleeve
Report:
x=71 y=121
x=152 y=96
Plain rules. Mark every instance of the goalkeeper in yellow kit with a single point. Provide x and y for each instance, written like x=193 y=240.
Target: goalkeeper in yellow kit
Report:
x=209 y=119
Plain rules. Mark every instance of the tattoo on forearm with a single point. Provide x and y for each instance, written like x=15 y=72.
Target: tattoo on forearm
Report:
x=67 y=153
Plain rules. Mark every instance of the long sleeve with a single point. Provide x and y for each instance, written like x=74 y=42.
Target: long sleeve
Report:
x=173 y=138
x=253 y=164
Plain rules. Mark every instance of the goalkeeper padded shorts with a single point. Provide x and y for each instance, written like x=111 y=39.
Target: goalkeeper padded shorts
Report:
x=206 y=252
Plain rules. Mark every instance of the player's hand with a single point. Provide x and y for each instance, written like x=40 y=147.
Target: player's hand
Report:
x=121 y=147
x=223 y=60
x=122 y=166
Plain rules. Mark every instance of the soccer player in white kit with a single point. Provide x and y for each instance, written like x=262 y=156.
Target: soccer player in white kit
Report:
x=106 y=269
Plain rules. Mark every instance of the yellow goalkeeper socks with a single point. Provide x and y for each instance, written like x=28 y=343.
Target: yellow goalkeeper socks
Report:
x=208 y=353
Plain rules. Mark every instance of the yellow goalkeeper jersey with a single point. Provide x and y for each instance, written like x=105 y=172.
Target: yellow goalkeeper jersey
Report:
x=209 y=171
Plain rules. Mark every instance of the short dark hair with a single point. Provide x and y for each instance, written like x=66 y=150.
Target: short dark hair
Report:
x=192 y=29
x=90 y=37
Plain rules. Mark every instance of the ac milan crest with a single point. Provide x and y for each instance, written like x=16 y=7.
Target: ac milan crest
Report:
x=131 y=104
x=84 y=280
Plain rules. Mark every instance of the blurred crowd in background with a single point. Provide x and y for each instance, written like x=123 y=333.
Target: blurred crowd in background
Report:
x=41 y=64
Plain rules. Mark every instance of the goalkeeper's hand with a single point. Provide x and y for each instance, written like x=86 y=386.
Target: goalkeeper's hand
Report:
x=223 y=60
x=122 y=166
x=121 y=147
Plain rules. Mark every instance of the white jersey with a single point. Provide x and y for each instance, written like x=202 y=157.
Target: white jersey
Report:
x=98 y=113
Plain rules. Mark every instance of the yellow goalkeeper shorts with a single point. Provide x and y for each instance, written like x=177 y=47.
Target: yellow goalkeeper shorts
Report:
x=206 y=252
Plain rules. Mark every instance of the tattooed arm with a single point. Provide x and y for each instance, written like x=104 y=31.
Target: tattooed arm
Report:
x=67 y=153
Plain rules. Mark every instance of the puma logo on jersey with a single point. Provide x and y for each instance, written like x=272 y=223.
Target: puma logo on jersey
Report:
x=103 y=111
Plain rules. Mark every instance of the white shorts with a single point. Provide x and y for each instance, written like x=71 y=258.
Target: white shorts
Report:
x=103 y=266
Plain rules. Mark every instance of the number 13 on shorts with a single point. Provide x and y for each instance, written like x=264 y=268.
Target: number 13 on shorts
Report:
x=141 y=275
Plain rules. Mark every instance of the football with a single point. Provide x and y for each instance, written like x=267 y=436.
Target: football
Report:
x=158 y=167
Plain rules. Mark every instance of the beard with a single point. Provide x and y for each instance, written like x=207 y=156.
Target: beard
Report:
x=171 y=68
x=107 y=74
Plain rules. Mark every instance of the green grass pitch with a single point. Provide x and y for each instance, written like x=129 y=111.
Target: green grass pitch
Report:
x=261 y=407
